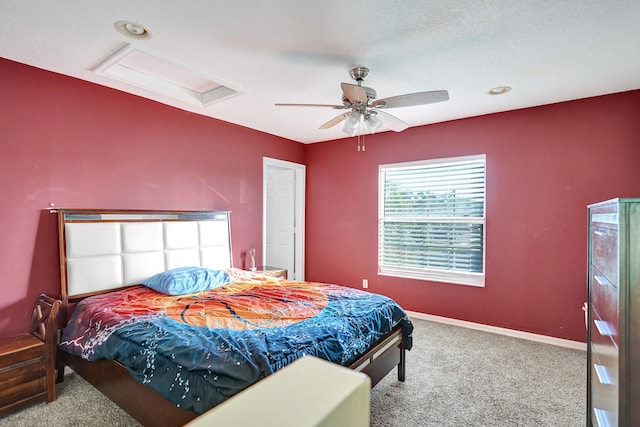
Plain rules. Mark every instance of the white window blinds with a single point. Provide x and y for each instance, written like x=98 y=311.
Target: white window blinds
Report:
x=432 y=220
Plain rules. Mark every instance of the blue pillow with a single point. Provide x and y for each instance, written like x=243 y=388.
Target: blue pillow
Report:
x=187 y=280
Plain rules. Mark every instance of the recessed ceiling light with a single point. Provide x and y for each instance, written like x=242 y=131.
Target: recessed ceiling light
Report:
x=499 y=90
x=133 y=30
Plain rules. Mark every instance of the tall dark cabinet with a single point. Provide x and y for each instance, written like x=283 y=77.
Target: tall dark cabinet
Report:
x=613 y=333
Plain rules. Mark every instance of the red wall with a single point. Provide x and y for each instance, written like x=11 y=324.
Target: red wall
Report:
x=79 y=145
x=544 y=165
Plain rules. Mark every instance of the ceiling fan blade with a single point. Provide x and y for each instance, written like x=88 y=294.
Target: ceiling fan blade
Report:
x=336 y=107
x=354 y=93
x=391 y=122
x=334 y=121
x=412 y=99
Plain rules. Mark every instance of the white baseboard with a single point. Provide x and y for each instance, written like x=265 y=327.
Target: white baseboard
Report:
x=576 y=345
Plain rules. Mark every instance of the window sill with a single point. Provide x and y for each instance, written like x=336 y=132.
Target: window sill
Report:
x=467 y=279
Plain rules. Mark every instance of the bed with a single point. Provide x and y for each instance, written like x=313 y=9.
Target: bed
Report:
x=156 y=317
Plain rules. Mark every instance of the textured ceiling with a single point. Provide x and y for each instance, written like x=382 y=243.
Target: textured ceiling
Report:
x=294 y=51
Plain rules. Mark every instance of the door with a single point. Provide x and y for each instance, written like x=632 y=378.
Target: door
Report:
x=284 y=217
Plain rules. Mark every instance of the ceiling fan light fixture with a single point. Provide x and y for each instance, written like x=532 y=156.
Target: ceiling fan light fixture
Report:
x=373 y=123
x=351 y=123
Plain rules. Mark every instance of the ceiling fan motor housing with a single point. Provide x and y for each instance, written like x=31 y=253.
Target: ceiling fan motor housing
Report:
x=371 y=95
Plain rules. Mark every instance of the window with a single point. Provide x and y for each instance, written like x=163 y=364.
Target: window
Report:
x=431 y=221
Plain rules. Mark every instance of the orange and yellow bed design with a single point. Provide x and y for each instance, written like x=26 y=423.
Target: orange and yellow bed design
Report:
x=200 y=349
x=249 y=303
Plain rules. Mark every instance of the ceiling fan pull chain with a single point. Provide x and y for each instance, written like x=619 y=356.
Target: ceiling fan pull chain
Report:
x=360 y=141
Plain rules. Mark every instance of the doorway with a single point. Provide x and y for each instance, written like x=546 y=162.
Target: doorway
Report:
x=283 y=216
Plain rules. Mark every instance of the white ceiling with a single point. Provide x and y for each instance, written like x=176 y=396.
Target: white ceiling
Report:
x=295 y=51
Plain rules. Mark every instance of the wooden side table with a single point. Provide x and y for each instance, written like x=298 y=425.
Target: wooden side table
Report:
x=22 y=372
x=27 y=361
x=273 y=271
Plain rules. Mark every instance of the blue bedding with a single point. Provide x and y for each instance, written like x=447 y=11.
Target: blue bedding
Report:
x=200 y=349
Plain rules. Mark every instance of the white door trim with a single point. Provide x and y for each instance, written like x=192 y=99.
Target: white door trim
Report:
x=300 y=173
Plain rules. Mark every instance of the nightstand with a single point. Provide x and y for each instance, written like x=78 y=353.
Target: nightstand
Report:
x=273 y=271
x=27 y=361
x=22 y=372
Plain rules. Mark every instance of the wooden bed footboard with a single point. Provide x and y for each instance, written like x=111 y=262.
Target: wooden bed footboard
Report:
x=152 y=409
x=383 y=357
x=113 y=380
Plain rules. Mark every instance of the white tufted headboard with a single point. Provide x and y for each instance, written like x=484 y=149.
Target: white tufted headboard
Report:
x=106 y=250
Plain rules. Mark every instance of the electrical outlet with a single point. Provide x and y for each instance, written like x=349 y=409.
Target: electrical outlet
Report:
x=365 y=283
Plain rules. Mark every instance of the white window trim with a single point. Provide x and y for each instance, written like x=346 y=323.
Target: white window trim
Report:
x=453 y=277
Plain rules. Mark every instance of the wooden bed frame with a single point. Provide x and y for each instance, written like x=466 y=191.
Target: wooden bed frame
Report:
x=84 y=257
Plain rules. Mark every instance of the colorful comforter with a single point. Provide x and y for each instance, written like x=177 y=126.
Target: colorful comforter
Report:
x=200 y=349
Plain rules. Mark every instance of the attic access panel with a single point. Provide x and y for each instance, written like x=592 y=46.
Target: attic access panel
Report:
x=161 y=75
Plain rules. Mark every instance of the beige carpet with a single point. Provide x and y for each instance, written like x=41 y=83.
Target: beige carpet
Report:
x=464 y=377
x=455 y=377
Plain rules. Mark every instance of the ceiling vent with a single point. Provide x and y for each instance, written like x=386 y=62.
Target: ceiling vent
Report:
x=164 y=76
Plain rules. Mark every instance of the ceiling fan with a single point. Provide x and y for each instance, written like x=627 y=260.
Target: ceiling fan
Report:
x=365 y=109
